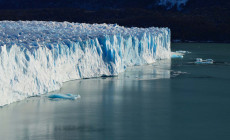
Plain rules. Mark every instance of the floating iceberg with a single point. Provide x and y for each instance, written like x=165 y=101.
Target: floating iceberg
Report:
x=37 y=57
x=64 y=96
x=183 y=52
x=201 y=61
x=177 y=55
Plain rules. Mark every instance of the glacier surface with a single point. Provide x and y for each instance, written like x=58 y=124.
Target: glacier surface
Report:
x=36 y=57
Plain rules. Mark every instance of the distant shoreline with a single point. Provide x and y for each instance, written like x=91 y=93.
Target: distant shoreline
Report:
x=211 y=42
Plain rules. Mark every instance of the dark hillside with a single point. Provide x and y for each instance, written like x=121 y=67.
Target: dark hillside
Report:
x=206 y=20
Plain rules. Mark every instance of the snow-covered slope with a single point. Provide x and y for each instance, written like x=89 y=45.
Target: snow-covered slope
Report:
x=37 y=57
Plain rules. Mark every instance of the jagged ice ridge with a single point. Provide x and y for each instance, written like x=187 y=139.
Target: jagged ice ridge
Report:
x=36 y=57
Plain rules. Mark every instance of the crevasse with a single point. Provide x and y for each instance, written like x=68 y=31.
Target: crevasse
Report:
x=37 y=57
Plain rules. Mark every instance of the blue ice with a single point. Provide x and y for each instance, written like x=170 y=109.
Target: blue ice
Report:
x=64 y=96
x=176 y=56
x=201 y=61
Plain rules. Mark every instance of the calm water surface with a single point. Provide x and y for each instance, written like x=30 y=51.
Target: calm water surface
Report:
x=169 y=100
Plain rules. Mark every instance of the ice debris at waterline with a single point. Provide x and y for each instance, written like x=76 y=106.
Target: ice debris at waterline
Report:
x=177 y=55
x=64 y=96
x=201 y=61
x=183 y=52
x=37 y=57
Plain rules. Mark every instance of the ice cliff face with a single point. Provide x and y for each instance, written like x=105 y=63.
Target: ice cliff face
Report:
x=37 y=57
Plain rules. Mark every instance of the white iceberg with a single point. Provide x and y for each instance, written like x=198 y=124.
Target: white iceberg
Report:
x=201 y=61
x=183 y=52
x=37 y=57
x=177 y=55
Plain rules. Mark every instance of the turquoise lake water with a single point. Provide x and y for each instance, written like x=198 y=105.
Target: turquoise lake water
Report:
x=168 y=100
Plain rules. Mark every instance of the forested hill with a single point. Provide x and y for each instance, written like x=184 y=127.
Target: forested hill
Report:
x=195 y=20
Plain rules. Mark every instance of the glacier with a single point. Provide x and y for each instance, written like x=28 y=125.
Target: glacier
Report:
x=36 y=57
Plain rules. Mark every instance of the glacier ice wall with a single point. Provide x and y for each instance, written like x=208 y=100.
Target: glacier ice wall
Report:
x=37 y=57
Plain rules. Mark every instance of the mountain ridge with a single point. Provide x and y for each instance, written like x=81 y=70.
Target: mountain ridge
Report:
x=206 y=20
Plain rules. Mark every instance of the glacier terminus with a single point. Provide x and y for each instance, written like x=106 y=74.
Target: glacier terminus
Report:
x=37 y=57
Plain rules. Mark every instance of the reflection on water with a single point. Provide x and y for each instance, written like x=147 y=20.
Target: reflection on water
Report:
x=166 y=101
x=159 y=70
x=100 y=111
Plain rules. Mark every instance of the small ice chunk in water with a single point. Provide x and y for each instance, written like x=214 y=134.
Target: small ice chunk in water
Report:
x=177 y=55
x=64 y=96
x=184 y=52
x=201 y=61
